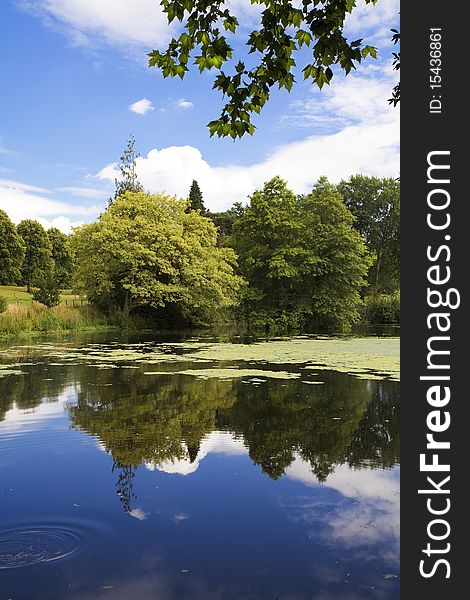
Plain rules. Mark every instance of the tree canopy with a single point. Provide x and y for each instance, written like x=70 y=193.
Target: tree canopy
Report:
x=301 y=256
x=284 y=30
x=375 y=203
x=146 y=251
x=37 y=260
x=61 y=256
x=12 y=251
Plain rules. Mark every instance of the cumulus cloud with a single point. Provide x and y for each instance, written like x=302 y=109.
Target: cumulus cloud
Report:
x=369 y=149
x=141 y=106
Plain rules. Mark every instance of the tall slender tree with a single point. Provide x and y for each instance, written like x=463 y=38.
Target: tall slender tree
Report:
x=128 y=181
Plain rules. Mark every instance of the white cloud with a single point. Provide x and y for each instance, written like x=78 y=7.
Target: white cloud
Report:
x=354 y=128
x=63 y=223
x=359 y=98
x=182 y=103
x=369 y=16
x=369 y=149
x=23 y=187
x=141 y=106
x=84 y=192
x=23 y=201
x=140 y=23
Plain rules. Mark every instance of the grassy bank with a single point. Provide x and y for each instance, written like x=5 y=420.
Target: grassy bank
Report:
x=35 y=318
x=18 y=296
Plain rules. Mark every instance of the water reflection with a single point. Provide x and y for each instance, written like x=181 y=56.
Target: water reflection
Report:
x=163 y=422
x=292 y=487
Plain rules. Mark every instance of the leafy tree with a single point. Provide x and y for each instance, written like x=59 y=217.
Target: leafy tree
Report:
x=146 y=251
x=376 y=205
x=196 y=201
x=48 y=290
x=224 y=221
x=341 y=261
x=12 y=251
x=37 y=262
x=61 y=256
x=127 y=166
x=266 y=238
x=301 y=256
x=283 y=31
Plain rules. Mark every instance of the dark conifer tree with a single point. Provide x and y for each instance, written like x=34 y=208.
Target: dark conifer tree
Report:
x=196 y=201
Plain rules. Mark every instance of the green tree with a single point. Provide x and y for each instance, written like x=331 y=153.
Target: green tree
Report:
x=12 y=251
x=267 y=241
x=37 y=262
x=146 y=251
x=196 y=201
x=301 y=256
x=341 y=261
x=224 y=221
x=61 y=256
x=376 y=205
x=48 y=290
x=128 y=181
x=283 y=32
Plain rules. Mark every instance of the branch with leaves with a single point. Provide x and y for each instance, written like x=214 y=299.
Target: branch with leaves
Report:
x=395 y=99
x=283 y=31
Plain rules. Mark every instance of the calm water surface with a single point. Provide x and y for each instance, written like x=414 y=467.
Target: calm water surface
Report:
x=119 y=483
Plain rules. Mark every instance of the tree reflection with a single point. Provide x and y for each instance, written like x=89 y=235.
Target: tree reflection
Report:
x=155 y=419
x=125 y=483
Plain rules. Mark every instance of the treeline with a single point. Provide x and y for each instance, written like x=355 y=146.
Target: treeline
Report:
x=38 y=259
x=321 y=260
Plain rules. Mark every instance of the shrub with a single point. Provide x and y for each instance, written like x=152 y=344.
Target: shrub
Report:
x=3 y=303
x=48 y=292
x=382 y=308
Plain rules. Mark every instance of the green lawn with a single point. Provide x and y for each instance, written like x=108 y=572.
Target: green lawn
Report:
x=19 y=295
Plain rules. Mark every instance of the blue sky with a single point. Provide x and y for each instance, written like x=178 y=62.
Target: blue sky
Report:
x=74 y=84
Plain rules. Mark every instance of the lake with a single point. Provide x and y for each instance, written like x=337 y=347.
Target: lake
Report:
x=192 y=467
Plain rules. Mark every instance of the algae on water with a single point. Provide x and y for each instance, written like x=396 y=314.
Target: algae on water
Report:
x=367 y=358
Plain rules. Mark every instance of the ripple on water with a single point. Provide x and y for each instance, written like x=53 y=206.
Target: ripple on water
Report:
x=24 y=547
